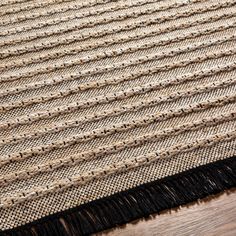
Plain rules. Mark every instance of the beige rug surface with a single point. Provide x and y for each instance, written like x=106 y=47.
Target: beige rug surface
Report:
x=103 y=100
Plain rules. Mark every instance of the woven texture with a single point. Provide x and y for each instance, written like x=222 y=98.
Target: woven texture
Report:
x=101 y=96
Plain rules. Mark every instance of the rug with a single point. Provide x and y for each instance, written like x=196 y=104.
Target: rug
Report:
x=111 y=110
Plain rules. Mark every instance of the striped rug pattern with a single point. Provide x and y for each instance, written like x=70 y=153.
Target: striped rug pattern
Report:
x=102 y=102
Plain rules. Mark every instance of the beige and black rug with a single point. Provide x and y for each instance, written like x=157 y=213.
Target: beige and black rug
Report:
x=111 y=110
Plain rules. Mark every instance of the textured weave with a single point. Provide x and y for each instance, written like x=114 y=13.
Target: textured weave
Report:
x=101 y=96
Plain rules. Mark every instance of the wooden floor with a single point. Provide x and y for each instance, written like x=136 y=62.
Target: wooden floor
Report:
x=212 y=216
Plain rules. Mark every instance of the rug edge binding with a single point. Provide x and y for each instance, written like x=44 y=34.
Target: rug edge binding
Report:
x=141 y=201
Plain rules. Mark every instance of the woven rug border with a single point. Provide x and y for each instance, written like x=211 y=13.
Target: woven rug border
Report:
x=141 y=201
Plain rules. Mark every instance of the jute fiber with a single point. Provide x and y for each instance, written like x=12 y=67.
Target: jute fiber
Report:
x=99 y=97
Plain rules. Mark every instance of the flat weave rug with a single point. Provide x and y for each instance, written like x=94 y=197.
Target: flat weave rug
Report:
x=111 y=110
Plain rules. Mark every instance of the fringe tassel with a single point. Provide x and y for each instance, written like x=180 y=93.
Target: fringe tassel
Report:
x=134 y=203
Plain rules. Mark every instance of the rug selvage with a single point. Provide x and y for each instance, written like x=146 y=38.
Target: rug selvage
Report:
x=141 y=201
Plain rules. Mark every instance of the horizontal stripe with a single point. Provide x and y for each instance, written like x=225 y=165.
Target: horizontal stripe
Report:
x=47 y=114
x=43 y=83
x=132 y=163
x=134 y=14
x=120 y=51
x=59 y=20
x=59 y=126
x=114 y=148
x=118 y=65
x=20 y=9
x=75 y=50
x=83 y=36
x=120 y=127
x=12 y=2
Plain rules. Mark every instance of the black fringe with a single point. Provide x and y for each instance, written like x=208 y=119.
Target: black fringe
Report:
x=134 y=203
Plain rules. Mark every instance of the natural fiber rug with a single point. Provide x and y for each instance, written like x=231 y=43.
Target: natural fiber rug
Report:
x=111 y=110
